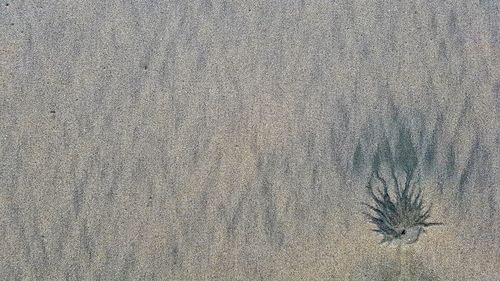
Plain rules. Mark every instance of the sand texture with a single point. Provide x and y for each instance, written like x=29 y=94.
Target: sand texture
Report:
x=233 y=140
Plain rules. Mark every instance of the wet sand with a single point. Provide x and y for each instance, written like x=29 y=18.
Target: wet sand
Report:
x=220 y=140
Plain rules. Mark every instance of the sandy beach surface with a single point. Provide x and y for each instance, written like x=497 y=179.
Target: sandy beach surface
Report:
x=233 y=140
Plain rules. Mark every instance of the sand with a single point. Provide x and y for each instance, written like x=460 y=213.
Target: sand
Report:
x=233 y=140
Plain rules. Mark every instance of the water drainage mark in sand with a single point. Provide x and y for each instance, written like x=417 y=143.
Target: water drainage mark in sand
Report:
x=398 y=213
